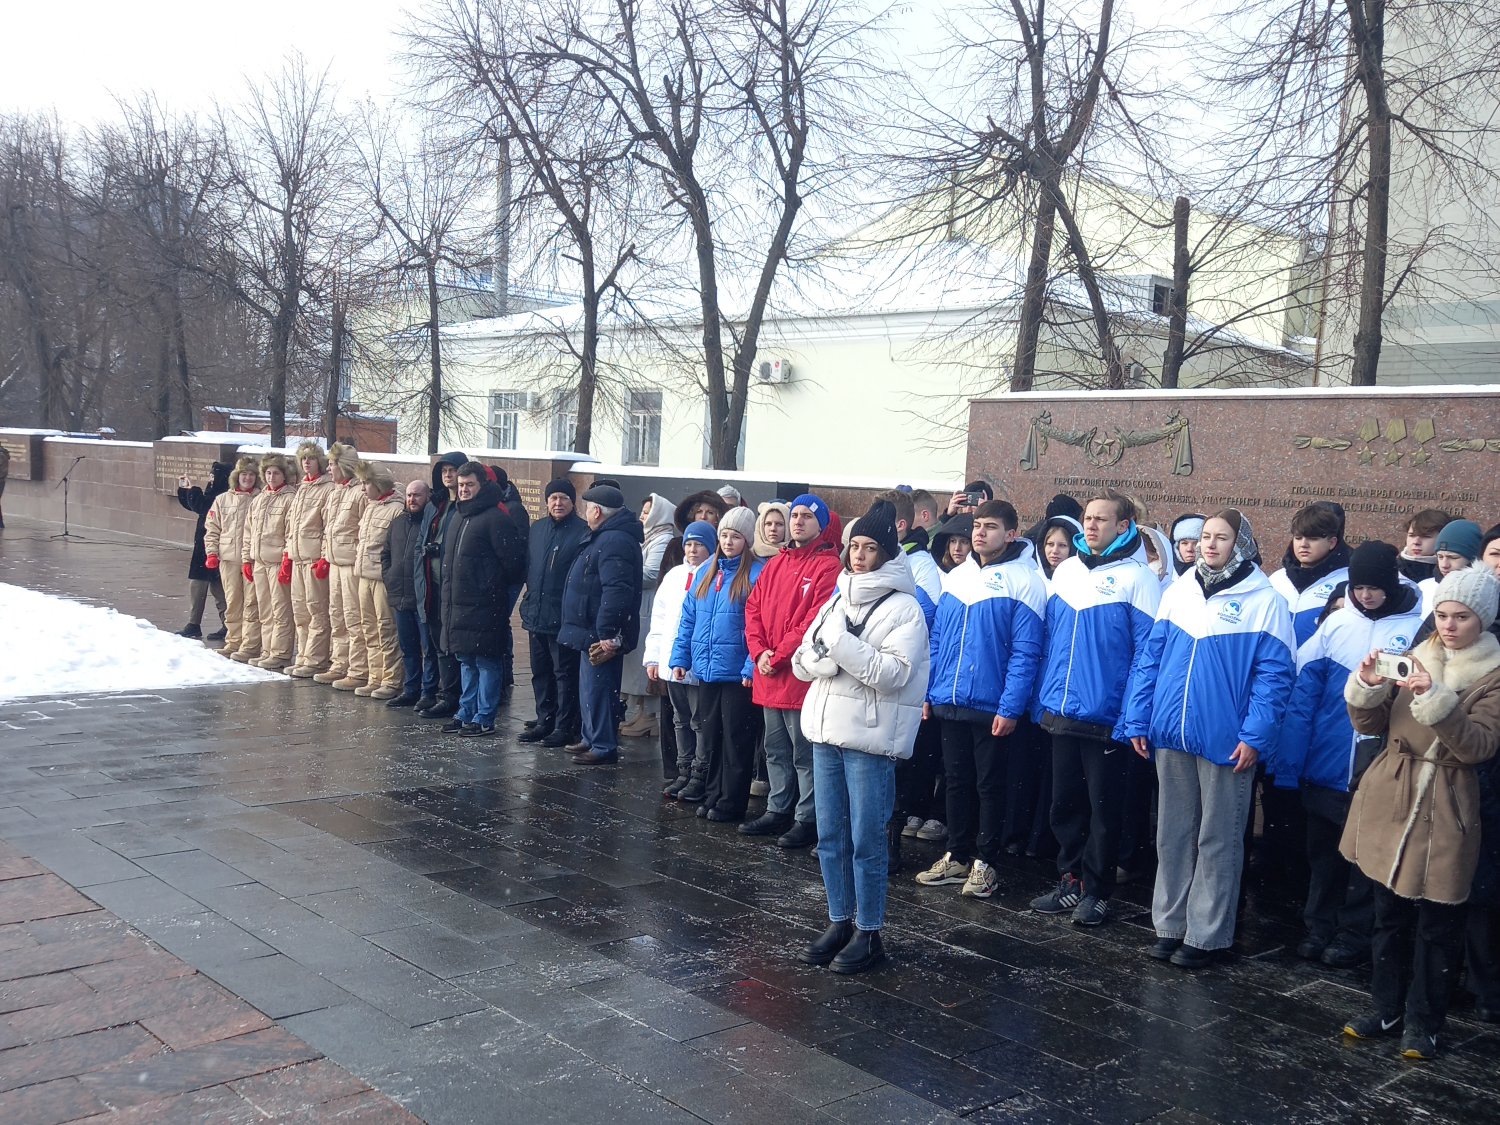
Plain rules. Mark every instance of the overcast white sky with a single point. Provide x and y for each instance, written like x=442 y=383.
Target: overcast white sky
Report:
x=77 y=55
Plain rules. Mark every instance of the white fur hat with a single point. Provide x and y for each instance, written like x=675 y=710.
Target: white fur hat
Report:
x=1474 y=586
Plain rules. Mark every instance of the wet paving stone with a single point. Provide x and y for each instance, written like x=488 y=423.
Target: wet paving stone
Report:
x=463 y=927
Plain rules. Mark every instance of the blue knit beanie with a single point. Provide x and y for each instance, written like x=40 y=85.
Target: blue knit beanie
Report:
x=701 y=531
x=816 y=504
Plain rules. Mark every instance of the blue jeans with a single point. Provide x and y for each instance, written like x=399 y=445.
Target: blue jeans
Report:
x=409 y=635
x=856 y=794
x=598 y=695
x=482 y=677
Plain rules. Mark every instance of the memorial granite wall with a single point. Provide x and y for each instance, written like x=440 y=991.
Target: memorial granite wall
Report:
x=1383 y=453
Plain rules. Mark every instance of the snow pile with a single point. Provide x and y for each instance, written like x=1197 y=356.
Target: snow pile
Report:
x=56 y=646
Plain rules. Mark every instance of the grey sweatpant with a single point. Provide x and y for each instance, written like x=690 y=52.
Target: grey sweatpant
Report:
x=198 y=591
x=789 y=765
x=1200 y=846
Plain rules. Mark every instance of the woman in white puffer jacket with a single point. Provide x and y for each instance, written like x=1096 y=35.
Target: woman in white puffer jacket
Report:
x=866 y=657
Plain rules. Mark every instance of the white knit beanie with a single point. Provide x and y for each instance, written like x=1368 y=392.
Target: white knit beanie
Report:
x=743 y=521
x=1474 y=586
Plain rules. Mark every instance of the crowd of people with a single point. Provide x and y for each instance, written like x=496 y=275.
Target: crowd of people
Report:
x=1092 y=688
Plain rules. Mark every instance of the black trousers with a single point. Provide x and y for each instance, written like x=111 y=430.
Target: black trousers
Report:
x=1415 y=951
x=554 y=683
x=666 y=722
x=729 y=725
x=1138 y=827
x=1088 y=806
x=1340 y=897
x=1482 y=952
x=917 y=776
x=450 y=685
x=975 y=763
x=1027 y=764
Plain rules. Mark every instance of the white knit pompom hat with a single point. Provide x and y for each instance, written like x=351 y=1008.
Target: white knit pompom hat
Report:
x=1474 y=586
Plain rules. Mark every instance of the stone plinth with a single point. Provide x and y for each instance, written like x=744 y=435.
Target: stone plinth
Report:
x=1381 y=453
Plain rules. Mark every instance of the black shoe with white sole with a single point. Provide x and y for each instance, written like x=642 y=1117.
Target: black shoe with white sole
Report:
x=1062 y=899
x=1091 y=911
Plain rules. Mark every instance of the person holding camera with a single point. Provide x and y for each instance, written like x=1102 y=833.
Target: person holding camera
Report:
x=865 y=658
x=1414 y=823
x=202 y=578
x=1321 y=752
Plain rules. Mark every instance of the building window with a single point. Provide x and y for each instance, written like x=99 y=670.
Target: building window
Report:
x=642 y=427
x=505 y=418
x=564 y=429
x=1161 y=295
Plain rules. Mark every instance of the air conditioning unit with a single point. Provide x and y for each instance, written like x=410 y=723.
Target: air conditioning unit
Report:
x=775 y=371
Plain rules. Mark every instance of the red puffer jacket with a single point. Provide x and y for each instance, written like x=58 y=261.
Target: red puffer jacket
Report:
x=783 y=602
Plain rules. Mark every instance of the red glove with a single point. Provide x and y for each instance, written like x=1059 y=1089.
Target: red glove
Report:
x=248 y=570
x=284 y=575
x=320 y=569
x=212 y=562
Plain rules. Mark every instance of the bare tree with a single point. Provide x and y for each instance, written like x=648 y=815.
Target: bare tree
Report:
x=1338 y=104
x=287 y=159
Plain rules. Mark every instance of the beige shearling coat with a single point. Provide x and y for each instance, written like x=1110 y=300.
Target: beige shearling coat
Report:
x=305 y=533
x=1413 y=825
x=266 y=525
x=374 y=529
x=341 y=516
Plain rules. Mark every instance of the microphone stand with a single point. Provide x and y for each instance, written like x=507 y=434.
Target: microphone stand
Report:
x=66 y=534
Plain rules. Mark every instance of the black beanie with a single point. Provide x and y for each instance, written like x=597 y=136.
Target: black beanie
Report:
x=1374 y=564
x=1064 y=505
x=879 y=524
x=564 y=486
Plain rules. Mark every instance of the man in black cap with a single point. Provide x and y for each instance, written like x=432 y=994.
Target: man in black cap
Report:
x=551 y=548
x=601 y=616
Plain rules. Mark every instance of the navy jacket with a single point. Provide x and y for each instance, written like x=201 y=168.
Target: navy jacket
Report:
x=551 y=548
x=603 y=595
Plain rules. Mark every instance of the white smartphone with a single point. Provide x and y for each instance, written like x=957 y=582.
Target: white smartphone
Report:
x=1393 y=666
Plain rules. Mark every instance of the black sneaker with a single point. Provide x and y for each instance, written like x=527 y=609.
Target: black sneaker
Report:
x=1311 y=948
x=802 y=834
x=1418 y=1045
x=442 y=709
x=218 y=634
x=693 y=792
x=676 y=786
x=1191 y=957
x=191 y=632
x=1061 y=899
x=475 y=730
x=767 y=824
x=1372 y=1025
x=454 y=726
x=402 y=700
x=1340 y=956
x=424 y=703
x=1091 y=911
x=533 y=734
x=1162 y=948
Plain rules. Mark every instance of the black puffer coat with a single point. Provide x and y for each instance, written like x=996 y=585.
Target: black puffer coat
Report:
x=483 y=556
x=435 y=519
x=398 y=560
x=197 y=500
x=553 y=546
x=603 y=595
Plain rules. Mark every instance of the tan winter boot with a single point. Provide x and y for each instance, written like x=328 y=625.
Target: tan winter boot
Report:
x=301 y=672
x=332 y=676
x=384 y=691
x=243 y=657
x=348 y=683
x=367 y=690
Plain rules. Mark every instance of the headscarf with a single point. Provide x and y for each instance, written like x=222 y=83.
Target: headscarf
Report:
x=660 y=531
x=762 y=548
x=1241 y=558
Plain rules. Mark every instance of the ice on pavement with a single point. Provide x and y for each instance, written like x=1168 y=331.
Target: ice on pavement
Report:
x=56 y=646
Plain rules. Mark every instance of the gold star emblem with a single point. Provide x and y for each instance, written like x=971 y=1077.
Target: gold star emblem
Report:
x=1393 y=457
x=1421 y=457
x=1366 y=456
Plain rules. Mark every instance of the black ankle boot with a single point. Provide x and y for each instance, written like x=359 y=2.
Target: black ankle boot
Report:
x=893 y=847
x=827 y=947
x=864 y=951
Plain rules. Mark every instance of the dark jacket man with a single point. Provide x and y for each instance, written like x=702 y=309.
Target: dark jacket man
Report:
x=602 y=599
x=427 y=573
x=553 y=546
x=483 y=556
x=514 y=505
x=398 y=559
x=198 y=500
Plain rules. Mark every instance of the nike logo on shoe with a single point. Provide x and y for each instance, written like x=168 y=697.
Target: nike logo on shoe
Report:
x=1386 y=1025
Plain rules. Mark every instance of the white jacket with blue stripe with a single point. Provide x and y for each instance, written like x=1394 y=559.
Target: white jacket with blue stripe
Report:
x=1218 y=671
x=986 y=637
x=1098 y=620
x=1317 y=739
x=1306 y=605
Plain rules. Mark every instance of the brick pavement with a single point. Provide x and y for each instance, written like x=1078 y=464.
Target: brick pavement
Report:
x=100 y=1025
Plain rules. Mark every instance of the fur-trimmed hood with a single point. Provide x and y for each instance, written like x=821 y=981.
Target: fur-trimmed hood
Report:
x=280 y=461
x=312 y=449
x=345 y=459
x=372 y=472
x=245 y=464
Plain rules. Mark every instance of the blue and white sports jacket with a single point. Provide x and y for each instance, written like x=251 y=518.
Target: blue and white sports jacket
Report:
x=1317 y=739
x=1098 y=620
x=927 y=576
x=1218 y=670
x=1307 y=604
x=986 y=638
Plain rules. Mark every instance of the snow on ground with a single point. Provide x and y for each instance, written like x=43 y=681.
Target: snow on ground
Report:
x=56 y=646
